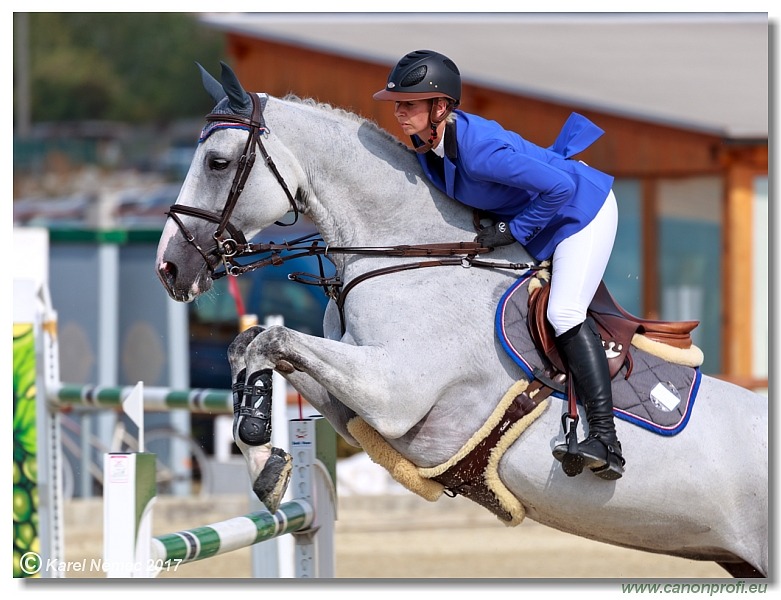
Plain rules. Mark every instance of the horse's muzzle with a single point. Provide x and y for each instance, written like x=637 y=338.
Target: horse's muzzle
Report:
x=169 y=276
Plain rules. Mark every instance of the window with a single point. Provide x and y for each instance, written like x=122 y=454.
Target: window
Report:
x=689 y=254
x=624 y=274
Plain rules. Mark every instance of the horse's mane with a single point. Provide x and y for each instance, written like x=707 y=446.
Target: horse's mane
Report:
x=351 y=116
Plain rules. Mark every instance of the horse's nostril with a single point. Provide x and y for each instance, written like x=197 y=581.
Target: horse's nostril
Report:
x=167 y=272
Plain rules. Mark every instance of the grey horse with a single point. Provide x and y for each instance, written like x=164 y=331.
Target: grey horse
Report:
x=410 y=364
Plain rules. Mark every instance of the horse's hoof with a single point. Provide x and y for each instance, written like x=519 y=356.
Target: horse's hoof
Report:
x=272 y=482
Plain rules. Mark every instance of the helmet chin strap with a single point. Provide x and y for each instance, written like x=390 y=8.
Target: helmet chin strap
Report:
x=434 y=122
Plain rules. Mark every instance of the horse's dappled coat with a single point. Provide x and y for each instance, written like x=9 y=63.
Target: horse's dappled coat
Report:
x=418 y=360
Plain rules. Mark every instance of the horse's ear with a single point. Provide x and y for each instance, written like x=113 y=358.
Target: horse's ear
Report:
x=213 y=87
x=238 y=99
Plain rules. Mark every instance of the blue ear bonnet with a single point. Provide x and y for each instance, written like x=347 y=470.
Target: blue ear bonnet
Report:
x=223 y=108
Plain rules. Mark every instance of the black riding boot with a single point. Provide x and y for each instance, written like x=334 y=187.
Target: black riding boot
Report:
x=581 y=348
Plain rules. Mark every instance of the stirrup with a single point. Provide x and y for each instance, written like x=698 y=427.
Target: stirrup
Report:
x=572 y=463
x=568 y=453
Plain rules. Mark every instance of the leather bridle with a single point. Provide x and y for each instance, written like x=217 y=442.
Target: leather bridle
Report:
x=231 y=246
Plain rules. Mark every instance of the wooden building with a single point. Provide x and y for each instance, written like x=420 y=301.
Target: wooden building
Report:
x=683 y=100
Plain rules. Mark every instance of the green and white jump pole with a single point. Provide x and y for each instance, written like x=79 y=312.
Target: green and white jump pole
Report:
x=172 y=549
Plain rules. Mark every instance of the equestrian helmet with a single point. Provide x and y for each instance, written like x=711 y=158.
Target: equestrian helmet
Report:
x=423 y=74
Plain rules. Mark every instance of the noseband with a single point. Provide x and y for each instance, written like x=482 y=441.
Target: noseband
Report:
x=234 y=244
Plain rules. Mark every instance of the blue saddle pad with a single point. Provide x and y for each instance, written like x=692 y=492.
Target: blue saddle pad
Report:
x=658 y=395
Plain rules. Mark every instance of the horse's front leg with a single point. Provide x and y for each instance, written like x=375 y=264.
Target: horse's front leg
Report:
x=269 y=467
x=383 y=386
x=364 y=379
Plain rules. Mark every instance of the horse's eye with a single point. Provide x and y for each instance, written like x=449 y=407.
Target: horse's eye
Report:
x=218 y=164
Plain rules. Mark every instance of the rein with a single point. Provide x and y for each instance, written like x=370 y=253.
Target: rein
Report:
x=230 y=248
x=463 y=254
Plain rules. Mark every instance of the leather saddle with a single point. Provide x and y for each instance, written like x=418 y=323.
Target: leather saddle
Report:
x=615 y=326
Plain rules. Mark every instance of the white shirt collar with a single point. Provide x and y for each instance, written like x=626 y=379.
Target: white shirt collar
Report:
x=439 y=149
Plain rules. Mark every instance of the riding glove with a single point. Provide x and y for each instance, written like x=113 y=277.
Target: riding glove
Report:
x=495 y=235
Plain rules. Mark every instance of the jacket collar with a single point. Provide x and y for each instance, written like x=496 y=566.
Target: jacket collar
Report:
x=451 y=141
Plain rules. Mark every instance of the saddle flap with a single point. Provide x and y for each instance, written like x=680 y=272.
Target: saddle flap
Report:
x=540 y=329
x=616 y=334
x=615 y=331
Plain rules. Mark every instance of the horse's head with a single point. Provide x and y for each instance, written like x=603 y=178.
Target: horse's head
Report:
x=224 y=200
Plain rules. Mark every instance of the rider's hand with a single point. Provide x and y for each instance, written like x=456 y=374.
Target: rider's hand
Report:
x=495 y=235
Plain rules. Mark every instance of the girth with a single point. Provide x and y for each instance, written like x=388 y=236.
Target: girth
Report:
x=468 y=476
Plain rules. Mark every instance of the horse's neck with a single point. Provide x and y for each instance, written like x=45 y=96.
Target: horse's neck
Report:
x=364 y=187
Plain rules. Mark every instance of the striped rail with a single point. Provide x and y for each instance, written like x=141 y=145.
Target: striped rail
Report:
x=218 y=538
x=195 y=400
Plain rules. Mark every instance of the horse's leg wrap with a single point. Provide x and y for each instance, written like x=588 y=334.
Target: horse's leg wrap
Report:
x=252 y=408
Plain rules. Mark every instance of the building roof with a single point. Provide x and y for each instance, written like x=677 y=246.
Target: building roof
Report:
x=703 y=71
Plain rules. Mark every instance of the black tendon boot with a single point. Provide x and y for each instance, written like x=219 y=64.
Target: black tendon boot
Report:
x=252 y=426
x=582 y=350
x=252 y=408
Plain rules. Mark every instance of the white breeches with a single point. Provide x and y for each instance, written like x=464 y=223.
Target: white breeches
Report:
x=579 y=264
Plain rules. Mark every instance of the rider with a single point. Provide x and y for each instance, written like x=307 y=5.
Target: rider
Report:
x=559 y=209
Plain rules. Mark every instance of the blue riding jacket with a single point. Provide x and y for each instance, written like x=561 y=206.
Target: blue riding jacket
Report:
x=544 y=197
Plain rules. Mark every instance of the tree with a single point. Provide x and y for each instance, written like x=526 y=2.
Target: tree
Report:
x=130 y=67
